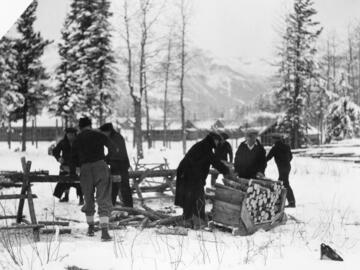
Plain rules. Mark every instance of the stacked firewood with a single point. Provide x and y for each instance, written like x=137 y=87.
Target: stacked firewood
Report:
x=263 y=203
x=262 y=196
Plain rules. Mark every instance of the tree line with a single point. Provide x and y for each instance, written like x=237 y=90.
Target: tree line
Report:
x=151 y=53
x=317 y=82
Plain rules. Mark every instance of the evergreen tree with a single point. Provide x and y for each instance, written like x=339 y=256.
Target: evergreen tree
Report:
x=31 y=74
x=89 y=57
x=65 y=99
x=10 y=100
x=101 y=62
x=297 y=70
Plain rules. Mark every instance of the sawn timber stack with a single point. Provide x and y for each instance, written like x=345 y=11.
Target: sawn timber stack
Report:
x=246 y=206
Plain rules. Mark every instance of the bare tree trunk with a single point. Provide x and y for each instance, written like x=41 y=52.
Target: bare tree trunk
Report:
x=148 y=136
x=351 y=76
x=334 y=65
x=358 y=95
x=24 y=118
x=137 y=129
x=9 y=131
x=167 y=71
x=32 y=132
x=36 y=133
x=136 y=99
x=182 y=74
x=66 y=118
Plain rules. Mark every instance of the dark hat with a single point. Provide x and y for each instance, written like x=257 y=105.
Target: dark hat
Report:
x=84 y=122
x=107 y=127
x=71 y=130
x=251 y=131
x=224 y=135
x=215 y=136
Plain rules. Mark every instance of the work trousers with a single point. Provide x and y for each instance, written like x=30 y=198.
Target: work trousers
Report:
x=95 y=178
x=123 y=187
x=284 y=177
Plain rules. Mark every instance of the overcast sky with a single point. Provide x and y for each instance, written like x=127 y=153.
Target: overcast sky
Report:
x=231 y=28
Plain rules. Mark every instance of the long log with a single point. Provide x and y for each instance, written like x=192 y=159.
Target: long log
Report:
x=53 y=231
x=41 y=178
x=126 y=220
x=22 y=227
x=167 y=221
x=52 y=223
x=160 y=215
x=136 y=211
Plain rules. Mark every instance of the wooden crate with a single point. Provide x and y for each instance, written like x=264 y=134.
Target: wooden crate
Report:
x=230 y=209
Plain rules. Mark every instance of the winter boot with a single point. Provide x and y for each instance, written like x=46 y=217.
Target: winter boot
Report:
x=327 y=253
x=105 y=234
x=91 y=230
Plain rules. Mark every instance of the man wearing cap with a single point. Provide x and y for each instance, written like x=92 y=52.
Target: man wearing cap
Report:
x=282 y=154
x=63 y=152
x=250 y=157
x=94 y=175
x=223 y=152
x=191 y=178
x=119 y=163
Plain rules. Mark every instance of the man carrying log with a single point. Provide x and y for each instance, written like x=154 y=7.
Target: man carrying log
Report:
x=282 y=154
x=223 y=152
x=119 y=163
x=94 y=174
x=250 y=158
x=191 y=178
x=63 y=154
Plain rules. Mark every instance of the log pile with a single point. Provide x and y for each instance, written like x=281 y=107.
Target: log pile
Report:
x=248 y=205
x=263 y=203
x=142 y=218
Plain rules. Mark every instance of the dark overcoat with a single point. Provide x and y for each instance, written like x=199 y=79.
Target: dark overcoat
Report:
x=117 y=156
x=194 y=169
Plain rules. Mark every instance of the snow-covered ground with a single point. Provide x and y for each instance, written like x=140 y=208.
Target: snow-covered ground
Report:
x=327 y=211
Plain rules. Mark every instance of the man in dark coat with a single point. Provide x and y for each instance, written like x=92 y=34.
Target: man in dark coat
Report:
x=282 y=154
x=250 y=158
x=94 y=175
x=223 y=152
x=191 y=178
x=63 y=154
x=119 y=163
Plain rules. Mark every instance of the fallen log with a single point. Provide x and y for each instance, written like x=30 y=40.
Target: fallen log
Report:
x=143 y=223
x=136 y=211
x=126 y=220
x=53 y=223
x=53 y=231
x=68 y=219
x=160 y=215
x=167 y=221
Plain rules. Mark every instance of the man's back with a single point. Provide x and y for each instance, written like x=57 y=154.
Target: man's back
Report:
x=89 y=145
x=282 y=154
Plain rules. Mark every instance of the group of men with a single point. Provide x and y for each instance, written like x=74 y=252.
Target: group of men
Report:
x=250 y=163
x=84 y=152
